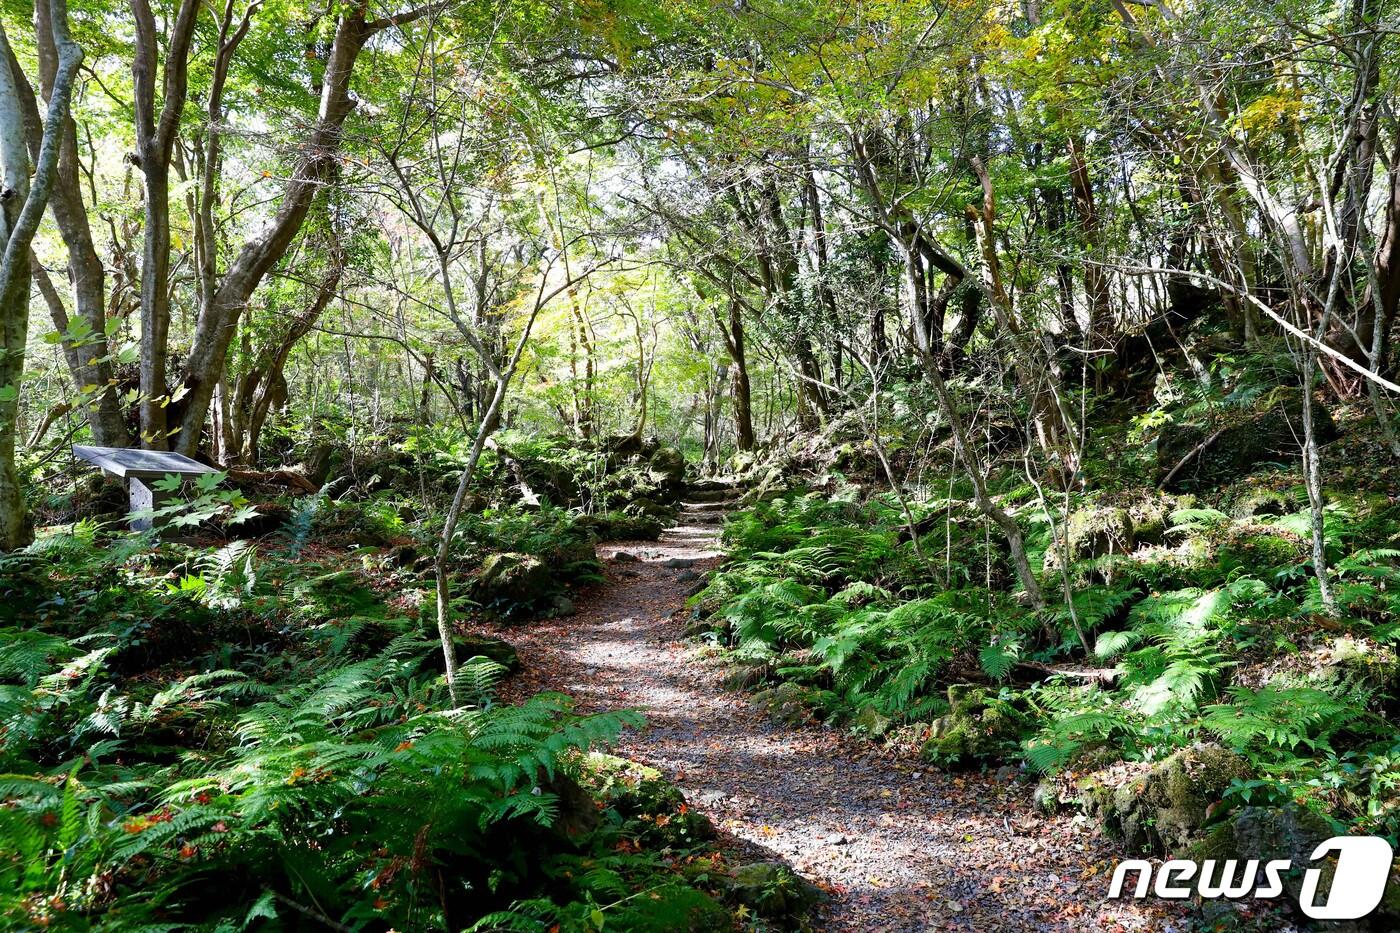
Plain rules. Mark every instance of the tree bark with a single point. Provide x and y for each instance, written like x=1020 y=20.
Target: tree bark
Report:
x=315 y=168
x=22 y=203
x=155 y=138
x=89 y=364
x=1101 y=329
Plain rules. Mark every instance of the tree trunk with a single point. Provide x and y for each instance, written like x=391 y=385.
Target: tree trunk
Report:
x=89 y=364
x=155 y=138
x=315 y=168
x=22 y=203
x=1101 y=328
x=740 y=391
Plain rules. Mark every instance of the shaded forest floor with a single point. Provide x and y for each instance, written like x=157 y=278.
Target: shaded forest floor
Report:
x=896 y=844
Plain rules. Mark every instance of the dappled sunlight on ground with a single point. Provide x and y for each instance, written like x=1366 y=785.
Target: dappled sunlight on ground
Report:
x=898 y=845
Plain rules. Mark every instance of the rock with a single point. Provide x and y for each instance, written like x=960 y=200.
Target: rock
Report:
x=667 y=468
x=1263 y=833
x=577 y=812
x=1151 y=516
x=563 y=606
x=655 y=809
x=979 y=726
x=1236 y=448
x=743 y=676
x=1096 y=532
x=473 y=646
x=1246 y=549
x=1046 y=798
x=679 y=563
x=671 y=908
x=620 y=526
x=871 y=722
x=513 y=583
x=1005 y=774
x=1259 y=503
x=786 y=704
x=625 y=557
x=404 y=555
x=773 y=891
x=1359 y=667
x=1165 y=810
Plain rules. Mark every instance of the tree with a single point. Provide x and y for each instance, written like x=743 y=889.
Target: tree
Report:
x=22 y=203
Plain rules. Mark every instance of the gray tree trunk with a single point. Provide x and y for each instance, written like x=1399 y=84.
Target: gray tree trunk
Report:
x=22 y=203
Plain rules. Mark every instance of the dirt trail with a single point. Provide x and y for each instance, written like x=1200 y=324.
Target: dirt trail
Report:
x=897 y=845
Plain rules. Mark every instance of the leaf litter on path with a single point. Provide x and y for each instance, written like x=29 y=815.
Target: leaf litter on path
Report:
x=919 y=849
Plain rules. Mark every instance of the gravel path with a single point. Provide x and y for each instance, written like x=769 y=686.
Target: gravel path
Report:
x=897 y=845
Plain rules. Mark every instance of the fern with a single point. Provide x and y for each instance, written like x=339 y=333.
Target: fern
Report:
x=1282 y=719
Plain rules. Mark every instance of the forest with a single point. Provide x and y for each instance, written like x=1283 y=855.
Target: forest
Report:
x=699 y=465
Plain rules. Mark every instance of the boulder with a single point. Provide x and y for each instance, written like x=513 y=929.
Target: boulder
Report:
x=1232 y=450
x=513 y=583
x=621 y=526
x=1094 y=532
x=645 y=508
x=655 y=810
x=1360 y=666
x=1151 y=516
x=475 y=646
x=577 y=814
x=1165 y=810
x=667 y=468
x=671 y=908
x=1264 y=833
x=978 y=727
x=773 y=891
x=786 y=704
x=1046 y=796
x=870 y=721
x=1258 y=502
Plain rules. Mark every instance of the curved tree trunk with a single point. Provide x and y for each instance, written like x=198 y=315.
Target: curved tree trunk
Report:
x=23 y=200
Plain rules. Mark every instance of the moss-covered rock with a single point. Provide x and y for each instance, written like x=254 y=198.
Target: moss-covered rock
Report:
x=1226 y=450
x=773 y=891
x=622 y=526
x=1360 y=666
x=1264 y=833
x=870 y=721
x=478 y=646
x=789 y=704
x=979 y=727
x=512 y=584
x=671 y=908
x=667 y=469
x=1255 y=550
x=1094 y=532
x=1166 y=809
x=656 y=811
x=1262 y=502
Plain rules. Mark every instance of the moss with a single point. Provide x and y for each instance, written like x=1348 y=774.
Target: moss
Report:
x=1256 y=502
x=1256 y=551
x=671 y=908
x=1093 y=532
x=979 y=727
x=773 y=891
x=621 y=526
x=789 y=704
x=1166 y=809
x=655 y=811
x=514 y=584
